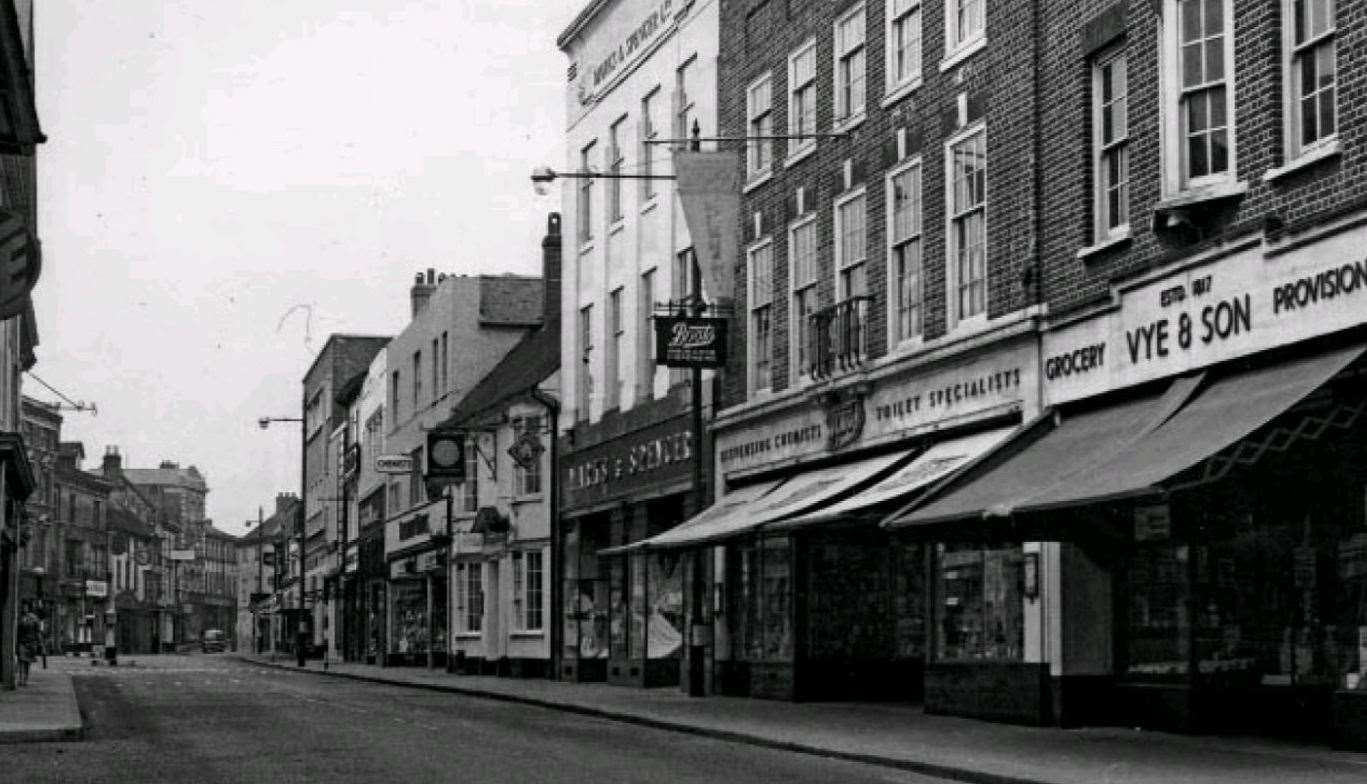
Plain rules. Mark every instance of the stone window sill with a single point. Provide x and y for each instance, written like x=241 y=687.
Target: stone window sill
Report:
x=1119 y=239
x=1307 y=159
x=965 y=51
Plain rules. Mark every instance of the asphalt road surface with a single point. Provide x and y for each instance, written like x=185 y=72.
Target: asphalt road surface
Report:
x=213 y=719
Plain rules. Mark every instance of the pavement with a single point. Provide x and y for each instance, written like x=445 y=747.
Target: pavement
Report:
x=44 y=710
x=899 y=736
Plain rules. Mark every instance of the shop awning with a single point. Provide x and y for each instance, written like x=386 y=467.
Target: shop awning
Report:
x=796 y=495
x=727 y=516
x=1061 y=448
x=1066 y=467
x=1225 y=413
x=932 y=465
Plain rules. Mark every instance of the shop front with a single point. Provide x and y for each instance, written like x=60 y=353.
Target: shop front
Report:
x=809 y=599
x=416 y=548
x=627 y=477
x=1198 y=489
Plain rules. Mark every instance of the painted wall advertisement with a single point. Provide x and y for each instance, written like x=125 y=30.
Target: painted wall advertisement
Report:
x=1229 y=308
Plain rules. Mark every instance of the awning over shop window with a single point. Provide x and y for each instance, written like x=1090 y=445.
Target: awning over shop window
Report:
x=1228 y=411
x=932 y=465
x=1065 y=467
x=797 y=495
x=1021 y=468
x=727 y=516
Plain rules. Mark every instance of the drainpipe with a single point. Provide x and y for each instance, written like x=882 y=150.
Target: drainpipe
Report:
x=553 y=510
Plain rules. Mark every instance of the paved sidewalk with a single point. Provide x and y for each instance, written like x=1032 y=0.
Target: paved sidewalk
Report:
x=44 y=710
x=903 y=736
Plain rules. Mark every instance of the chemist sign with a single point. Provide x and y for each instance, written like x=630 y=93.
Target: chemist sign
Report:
x=1254 y=299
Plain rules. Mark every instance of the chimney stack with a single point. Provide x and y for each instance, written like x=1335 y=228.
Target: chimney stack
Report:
x=550 y=271
x=423 y=286
x=112 y=467
x=283 y=501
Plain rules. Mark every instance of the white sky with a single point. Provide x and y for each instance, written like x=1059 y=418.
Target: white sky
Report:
x=212 y=163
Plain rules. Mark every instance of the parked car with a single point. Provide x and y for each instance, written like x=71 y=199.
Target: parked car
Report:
x=214 y=641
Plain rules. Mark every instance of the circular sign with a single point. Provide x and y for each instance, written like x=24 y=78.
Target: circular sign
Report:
x=446 y=452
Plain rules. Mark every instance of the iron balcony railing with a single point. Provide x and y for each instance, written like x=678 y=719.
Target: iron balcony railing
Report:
x=838 y=337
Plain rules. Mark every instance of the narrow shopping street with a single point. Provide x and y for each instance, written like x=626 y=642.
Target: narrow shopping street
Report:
x=213 y=719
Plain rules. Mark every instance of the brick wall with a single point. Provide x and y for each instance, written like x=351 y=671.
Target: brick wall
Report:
x=998 y=82
x=1299 y=199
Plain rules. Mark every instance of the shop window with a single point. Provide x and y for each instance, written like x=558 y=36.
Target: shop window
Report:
x=587 y=618
x=636 y=631
x=470 y=597
x=978 y=604
x=410 y=617
x=664 y=592
x=764 y=618
x=617 y=597
x=527 y=596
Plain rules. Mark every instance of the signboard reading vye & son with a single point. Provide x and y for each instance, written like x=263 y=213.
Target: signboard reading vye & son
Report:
x=690 y=341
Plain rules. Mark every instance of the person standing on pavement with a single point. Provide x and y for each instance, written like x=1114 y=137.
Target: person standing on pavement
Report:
x=28 y=644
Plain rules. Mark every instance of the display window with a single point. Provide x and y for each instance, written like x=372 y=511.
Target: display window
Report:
x=763 y=619
x=979 y=602
x=664 y=592
x=410 y=617
x=1257 y=580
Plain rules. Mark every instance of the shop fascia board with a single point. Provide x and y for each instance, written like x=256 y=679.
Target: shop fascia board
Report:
x=1021 y=325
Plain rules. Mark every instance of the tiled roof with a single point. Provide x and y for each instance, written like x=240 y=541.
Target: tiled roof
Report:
x=210 y=530
x=175 y=477
x=530 y=362
x=510 y=300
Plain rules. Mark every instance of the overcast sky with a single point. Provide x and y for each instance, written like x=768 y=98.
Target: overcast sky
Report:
x=212 y=165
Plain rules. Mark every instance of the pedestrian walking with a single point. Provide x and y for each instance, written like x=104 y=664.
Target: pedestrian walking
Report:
x=29 y=640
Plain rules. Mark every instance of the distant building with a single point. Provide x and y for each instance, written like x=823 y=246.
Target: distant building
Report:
x=461 y=328
x=178 y=495
x=341 y=359
x=256 y=577
x=135 y=584
x=84 y=607
x=39 y=562
x=219 y=586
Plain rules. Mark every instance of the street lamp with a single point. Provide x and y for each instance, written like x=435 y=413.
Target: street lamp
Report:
x=265 y=423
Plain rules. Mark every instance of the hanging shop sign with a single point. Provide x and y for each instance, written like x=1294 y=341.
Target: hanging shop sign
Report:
x=97 y=589
x=394 y=464
x=652 y=457
x=690 y=341
x=1254 y=299
x=526 y=449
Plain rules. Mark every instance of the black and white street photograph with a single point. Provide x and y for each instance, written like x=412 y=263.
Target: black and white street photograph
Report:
x=513 y=391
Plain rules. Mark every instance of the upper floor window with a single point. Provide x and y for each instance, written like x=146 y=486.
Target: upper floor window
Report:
x=967 y=242
x=802 y=97
x=436 y=370
x=615 y=161
x=685 y=97
x=1311 y=75
x=649 y=132
x=1198 y=53
x=761 y=300
x=904 y=256
x=759 y=111
x=965 y=24
x=903 y=35
x=585 y=206
x=417 y=379
x=849 y=65
x=445 y=362
x=1110 y=146
x=467 y=492
x=802 y=272
x=584 y=390
x=616 y=371
x=645 y=348
x=850 y=248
